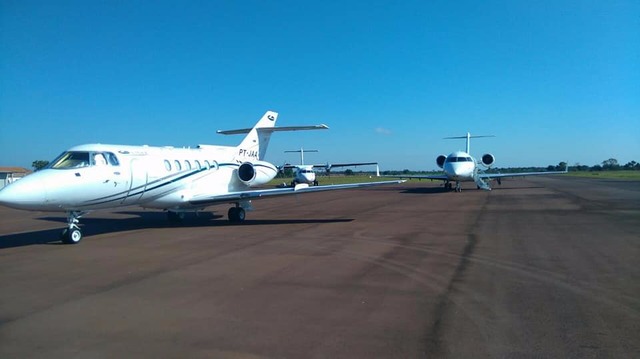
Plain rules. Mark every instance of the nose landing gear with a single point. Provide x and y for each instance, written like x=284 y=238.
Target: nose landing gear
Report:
x=72 y=234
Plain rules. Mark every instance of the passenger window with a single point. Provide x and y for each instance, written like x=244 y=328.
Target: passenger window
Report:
x=178 y=165
x=167 y=165
x=206 y=163
x=198 y=166
x=187 y=165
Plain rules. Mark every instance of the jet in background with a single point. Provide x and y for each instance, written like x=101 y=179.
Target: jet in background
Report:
x=460 y=166
x=306 y=174
x=178 y=180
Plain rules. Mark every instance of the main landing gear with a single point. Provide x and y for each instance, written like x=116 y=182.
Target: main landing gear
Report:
x=236 y=214
x=449 y=186
x=72 y=234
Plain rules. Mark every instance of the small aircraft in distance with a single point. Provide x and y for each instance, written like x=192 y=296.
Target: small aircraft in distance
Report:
x=460 y=166
x=306 y=174
x=178 y=180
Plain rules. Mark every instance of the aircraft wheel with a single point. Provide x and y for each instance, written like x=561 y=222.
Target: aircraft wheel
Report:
x=315 y=183
x=175 y=217
x=71 y=236
x=241 y=214
x=236 y=214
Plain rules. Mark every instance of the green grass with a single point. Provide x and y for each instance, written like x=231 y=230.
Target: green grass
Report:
x=335 y=179
x=623 y=175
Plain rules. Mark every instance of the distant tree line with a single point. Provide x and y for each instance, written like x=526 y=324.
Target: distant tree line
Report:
x=608 y=165
x=39 y=164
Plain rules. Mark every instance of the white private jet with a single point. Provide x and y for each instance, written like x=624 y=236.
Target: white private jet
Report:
x=97 y=176
x=306 y=174
x=459 y=166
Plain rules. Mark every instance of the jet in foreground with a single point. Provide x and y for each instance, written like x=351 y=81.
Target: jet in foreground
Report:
x=98 y=176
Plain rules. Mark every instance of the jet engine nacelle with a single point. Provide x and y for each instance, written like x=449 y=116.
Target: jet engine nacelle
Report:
x=440 y=160
x=256 y=173
x=488 y=159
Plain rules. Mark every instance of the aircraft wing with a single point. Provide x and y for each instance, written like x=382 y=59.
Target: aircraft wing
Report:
x=519 y=174
x=345 y=164
x=273 y=192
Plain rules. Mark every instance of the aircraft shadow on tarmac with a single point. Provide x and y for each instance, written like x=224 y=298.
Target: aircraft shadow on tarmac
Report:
x=142 y=220
x=427 y=190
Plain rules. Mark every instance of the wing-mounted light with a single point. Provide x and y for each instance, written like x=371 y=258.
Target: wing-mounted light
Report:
x=487 y=160
x=440 y=160
x=256 y=173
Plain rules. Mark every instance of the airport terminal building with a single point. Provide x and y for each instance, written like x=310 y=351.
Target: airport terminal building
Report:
x=11 y=174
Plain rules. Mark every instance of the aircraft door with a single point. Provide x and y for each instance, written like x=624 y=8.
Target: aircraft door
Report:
x=138 y=178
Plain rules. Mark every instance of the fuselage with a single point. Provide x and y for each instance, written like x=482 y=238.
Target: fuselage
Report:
x=459 y=166
x=98 y=176
x=305 y=174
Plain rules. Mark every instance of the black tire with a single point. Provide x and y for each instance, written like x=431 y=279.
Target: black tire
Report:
x=236 y=214
x=233 y=214
x=240 y=214
x=72 y=236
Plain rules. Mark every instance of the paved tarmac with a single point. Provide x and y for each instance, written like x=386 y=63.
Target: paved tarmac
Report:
x=538 y=267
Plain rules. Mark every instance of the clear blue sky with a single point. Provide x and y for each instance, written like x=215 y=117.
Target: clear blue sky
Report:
x=553 y=80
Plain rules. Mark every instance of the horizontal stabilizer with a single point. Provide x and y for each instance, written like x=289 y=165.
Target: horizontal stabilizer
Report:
x=274 y=129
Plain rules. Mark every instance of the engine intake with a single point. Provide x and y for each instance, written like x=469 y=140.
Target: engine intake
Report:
x=488 y=159
x=257 y=173
x=440 y=160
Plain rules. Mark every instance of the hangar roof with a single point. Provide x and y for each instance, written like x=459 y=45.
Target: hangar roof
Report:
x=14 y=170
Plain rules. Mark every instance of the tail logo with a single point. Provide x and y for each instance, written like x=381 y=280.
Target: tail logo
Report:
x=270 y=117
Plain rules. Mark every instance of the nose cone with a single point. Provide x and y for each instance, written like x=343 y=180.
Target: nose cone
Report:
x=26 y=193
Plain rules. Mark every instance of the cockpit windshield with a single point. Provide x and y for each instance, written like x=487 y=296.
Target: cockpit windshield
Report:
x=79 y=159
x=459 y=159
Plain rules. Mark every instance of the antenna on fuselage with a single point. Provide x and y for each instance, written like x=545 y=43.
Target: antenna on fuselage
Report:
x=301 y=151
x=468 y=137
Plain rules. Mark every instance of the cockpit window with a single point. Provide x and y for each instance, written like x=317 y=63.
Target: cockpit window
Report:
x=71 y=160
x=459 y=159
x=113 y=160
x=99 y=160
x=79 y=159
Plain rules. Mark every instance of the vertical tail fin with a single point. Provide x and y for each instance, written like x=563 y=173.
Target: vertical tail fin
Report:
x=254 y=145
x=468 y=137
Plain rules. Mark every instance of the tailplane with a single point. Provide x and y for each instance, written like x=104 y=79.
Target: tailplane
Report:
x=254 y=146
x=468 y=137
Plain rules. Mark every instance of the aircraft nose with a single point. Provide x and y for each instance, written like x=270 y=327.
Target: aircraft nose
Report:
x=26 y=193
